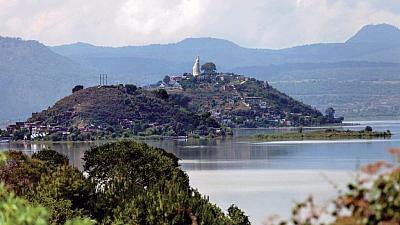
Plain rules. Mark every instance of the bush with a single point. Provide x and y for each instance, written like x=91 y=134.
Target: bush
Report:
x=368 y=129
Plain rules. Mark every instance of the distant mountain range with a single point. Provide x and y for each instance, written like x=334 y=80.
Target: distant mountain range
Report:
x=349 y=76
x=373 y=43
x=360 y=77
x=32 y=77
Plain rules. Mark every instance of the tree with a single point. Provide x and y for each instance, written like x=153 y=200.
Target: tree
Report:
x=368 y=129
x=166 y=79
x=77 y=88
x=125 y=168
x=209 y=68
x=330 y=113
x=20 y=173
x=130 y=88
x=65 y=191
x=51 y=157
x=162 y=93
x=237 y=216
x=16 y=210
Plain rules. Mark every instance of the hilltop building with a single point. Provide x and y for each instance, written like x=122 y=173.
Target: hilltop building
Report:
x=196 y=67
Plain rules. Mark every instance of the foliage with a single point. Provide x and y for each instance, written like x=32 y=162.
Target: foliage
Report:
x=20 y=173
x=237 y=215
x=162 y=93
x=166 y=79
x=209 y=68
x=65 y=191
x=330 y=112
x=122 y=169
x=126 y=183
x=130 y=88
x=77 y=88
x=51 y=157
x=139 y=184
x=17 y=211
x=368 y=128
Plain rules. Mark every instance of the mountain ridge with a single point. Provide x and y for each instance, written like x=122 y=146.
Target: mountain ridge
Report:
x=31 y=74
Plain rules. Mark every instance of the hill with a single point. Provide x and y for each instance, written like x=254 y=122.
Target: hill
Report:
x=32 y=77
x=371 y=55
x=118 y=111
x=239 y=101
x=209 y=104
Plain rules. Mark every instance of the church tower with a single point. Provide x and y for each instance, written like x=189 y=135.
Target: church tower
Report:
x=196 y=67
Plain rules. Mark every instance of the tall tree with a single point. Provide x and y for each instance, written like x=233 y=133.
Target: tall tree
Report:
x=209 y=68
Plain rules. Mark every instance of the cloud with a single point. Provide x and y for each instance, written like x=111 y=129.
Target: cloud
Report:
x=256 y=23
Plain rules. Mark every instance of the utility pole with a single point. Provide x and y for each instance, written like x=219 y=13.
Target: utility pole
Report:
x=103 y=79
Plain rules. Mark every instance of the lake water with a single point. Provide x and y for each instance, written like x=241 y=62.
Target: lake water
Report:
x=263 y=178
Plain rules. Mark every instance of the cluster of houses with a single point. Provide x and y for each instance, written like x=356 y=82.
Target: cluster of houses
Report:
x=220 y=97
x=34 y=130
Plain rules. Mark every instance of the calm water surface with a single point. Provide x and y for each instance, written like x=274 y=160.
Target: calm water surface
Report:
x=263 y=178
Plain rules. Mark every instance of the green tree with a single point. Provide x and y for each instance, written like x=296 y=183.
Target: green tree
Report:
x=162 y=93
x=330 y=113
x=125 y=168
x=130 y=88
x=51 y=157
x=166 y=79
x=65 y=191
x=20 y=173
x=18 y=211
x=209 y=68
x=237 y=216
x=77 y=88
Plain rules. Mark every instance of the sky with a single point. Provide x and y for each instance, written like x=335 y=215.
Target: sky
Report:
x=250 y=23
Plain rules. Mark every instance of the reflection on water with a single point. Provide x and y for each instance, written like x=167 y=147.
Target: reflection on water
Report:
x=250 y=154
x=253 y=173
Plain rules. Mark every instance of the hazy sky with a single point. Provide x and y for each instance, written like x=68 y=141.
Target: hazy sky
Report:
x=250 y=23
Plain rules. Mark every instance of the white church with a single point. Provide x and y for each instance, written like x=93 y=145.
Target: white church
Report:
x=196 y=67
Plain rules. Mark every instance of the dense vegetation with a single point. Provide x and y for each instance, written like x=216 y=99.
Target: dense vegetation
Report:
x=325 y=135
x=126 y=183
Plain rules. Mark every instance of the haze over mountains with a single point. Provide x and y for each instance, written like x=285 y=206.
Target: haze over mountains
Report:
x=376 y=43
x=360 y=77
x=32 y=77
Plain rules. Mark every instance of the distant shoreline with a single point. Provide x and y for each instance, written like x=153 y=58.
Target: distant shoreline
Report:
x=328 y=134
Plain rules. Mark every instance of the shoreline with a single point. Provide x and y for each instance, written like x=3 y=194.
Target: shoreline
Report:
x=329 y=134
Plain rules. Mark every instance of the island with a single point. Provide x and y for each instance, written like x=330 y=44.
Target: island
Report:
x=197 y=104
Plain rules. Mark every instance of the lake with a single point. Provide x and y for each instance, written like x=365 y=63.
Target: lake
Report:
x=263 y=178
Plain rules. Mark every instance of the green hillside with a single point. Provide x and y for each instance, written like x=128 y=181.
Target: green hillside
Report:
x=210 y=104
x=123 y=111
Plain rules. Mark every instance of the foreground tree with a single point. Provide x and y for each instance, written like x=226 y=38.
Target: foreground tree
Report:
x=125 y=183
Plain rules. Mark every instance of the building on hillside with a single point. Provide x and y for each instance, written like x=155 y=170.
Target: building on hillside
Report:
x=196 y=67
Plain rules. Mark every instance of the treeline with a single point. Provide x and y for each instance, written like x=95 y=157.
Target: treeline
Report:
x=122 y=183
